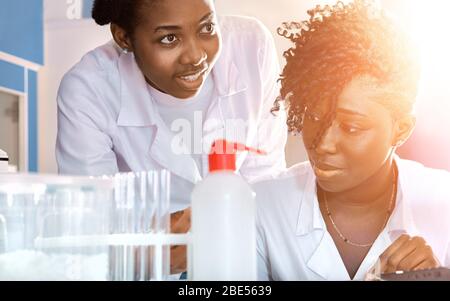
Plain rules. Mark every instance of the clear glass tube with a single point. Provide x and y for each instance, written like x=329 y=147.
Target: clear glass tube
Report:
x=141 y=211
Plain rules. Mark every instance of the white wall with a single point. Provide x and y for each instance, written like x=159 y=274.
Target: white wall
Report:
x=65 y=42
x=9 y=126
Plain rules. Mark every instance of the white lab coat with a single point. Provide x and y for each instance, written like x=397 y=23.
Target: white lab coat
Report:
x=294 y=244
x=108 y=122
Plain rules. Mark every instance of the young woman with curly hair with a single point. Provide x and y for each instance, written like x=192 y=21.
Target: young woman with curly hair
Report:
x=349 y=85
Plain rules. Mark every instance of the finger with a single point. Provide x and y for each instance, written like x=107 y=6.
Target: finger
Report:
x=178 y=259
x=175 y=216
x=182 y=226
x=392 y=264
x=181 y=221
x=415 y=258
x=187 y=220
x=395 y=245
x=421 y=253
x=174 y=221
x=178 y=226
x=391 y=250
x=427 y=264
x=418 y=241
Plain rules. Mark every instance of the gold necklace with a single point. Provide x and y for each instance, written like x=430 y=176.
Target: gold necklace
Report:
x=391 y=202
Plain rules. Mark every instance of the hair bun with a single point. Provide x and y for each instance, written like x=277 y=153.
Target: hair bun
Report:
x=105 y=11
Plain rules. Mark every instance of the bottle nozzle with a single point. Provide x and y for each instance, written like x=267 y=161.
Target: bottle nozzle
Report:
x=223 y=154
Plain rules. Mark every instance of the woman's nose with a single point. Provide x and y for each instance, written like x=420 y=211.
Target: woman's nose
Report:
x=194 y=54
x=327 y=142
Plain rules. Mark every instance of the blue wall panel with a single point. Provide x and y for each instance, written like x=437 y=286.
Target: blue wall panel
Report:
x=32 y=122
x=12 y=76
x=87 y=8
x=22 y=29
x=22 y=35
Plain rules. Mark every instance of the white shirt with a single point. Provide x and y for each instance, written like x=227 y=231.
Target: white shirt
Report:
x=176 y=112
x=294 y=244
x=109 y=123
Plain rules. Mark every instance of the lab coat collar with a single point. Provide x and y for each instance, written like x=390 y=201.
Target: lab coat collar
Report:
x=136 y=108
x=227 y=77
x=136 y=105
x=401 y=221
x=182 y=164
x=309 y=217
x=322 y=260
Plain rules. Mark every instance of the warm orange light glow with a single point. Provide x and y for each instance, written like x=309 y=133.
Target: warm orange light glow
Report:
x=429 y=24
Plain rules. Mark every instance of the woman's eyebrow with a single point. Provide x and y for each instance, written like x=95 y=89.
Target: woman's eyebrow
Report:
x=167 y=28
x=350 y=112
x=177 y=27
x=206 y=17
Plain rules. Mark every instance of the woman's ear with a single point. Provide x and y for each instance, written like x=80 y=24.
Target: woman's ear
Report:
x=121 y=37
x=403 y=129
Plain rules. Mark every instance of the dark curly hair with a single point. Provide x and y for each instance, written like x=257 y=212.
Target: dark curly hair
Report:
x=337 y=44
x=124 y=13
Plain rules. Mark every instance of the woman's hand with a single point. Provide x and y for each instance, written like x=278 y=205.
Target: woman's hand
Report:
x=180 y=222
x=408 y=254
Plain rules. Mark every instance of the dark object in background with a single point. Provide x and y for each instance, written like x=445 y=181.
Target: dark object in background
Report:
x=439 y=274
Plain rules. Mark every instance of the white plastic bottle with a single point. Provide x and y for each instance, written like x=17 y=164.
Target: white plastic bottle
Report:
x=4 y=160
x=223 y=220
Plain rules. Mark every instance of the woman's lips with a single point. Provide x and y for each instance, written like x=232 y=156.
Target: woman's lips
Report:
x=193 y=76
x=192 y=81
x=326 y=173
